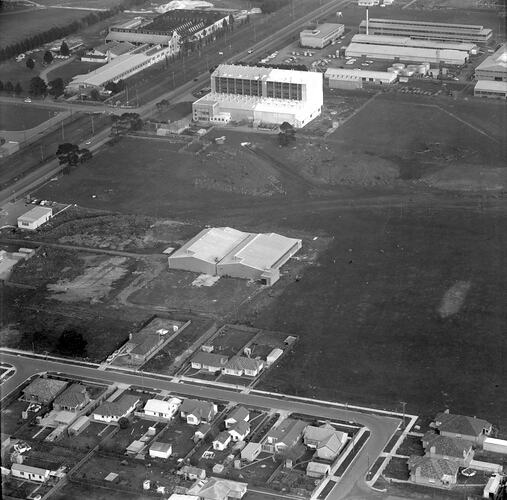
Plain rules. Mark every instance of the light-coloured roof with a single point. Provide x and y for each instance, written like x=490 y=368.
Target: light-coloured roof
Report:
x=275 y=353
x=161 y=447
x=260 y=251
x=36 y=213
x=157 y=405
x=406 y=53
x=318 y=467
x=491 y=86
x=30 y=469
x=405 y=41
x=426 y=24
x=250 y=449
x=496 y=61
x=322 y=30
x=211 y=244
x=355 y=74
x=218 y=489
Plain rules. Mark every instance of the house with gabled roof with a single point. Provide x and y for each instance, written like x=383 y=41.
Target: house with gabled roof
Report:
x=221 y=442
x=192 y=473
x=460 y=426
x=74 y=398
x=285 y=435
x=195 y=411
x=448 y=448
x=239 y=414
x=435 y=472
x=239 y=431
x=325 y=440
x=112 y=411
x=43 y=390
x=201 y=431
x=162 y=409
x=30 y=473
x=218 y=489
x=241 y=365
x=209 y=361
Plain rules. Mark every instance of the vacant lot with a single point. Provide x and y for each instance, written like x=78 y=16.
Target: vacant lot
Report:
x=23 y=116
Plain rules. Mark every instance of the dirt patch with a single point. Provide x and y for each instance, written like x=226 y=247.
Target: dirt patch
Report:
x=453 y=299
x=94 y=284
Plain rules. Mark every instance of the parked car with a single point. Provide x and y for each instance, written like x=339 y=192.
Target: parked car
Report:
x=28 y=99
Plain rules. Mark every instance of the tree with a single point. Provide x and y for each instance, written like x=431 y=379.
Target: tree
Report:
x=30 y=63
x=38 y=86
x=123 y=422
x=95 y=95
x=18 y=89
x=66 y=148
x=9 y=87
x=48 y=57
x=64 y=49
x=71 y=343
x=56 y=87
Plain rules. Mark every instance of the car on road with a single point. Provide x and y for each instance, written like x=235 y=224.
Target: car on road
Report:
x=88 y=142
x=220 y=53
x=250 y=51
x=28 y=99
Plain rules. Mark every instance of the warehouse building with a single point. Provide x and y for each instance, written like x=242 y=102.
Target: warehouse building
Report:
x=184 y=24
x=321 y=36
x=427 y=30
x=261 y=95
x=491 y=89
x=408 y=54
x=494 y=67
x=120 y=68
x=225 y=251
x=405 y=41
x=35 y=217
x=339 y=78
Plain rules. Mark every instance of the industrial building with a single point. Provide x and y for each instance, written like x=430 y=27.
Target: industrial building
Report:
x=494 y=67
x=35 y=217
x=175 y=25
x=491 y=89
x=107 y=51
x=225 y=251
x=427 y=30
x=409 y=54
x=321 y=35
x=339 y=78
x=261 y=95
x=405 y=41
x=120 y=68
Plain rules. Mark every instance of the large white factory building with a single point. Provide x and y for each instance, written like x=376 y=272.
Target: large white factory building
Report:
x=261 y=95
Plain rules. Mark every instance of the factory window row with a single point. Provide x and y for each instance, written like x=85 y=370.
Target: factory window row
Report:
x=238 y=86
x=282 y=90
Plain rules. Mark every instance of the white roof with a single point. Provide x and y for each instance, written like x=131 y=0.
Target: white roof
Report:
x=491 y=86
x=260 y=251
x=35 y=214
x=425 y=24
x=275 y=352
x=322 y=30
x=178 y=496
x=344 y=73
x=161 y=447
x=30 y=469
x=268 y=74
x=210 y=245
x=405 y=53
x=496 y=61
x=405 y=41
x=158 y=405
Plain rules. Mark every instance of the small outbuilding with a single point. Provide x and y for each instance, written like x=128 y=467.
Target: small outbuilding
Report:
x=251 y=451
x=221 y=442
x=35 y=217
x=160 y=450
x=273 y=356
x=317 y=469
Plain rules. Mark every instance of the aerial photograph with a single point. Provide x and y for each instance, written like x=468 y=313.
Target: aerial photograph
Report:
x=253 y=249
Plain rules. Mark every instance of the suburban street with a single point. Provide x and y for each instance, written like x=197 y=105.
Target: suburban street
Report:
x=381 y=428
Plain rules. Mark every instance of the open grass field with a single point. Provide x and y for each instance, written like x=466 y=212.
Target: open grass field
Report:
x=22 y=116
x=406 y=302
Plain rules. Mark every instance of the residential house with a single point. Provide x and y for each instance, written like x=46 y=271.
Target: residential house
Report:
x=43 y=390
x=112 y=411
x=201 y=432
x=195 y=411
x=74 y=398
x=160 y=450
x=239 y=431
x=460 y=426
x=241 y=365
x=436 y=472
x=23 y=471
x=218 y=489
x=458 y=450
x=209 y=361
x=325 y=439
x=192 y=473
x=239 y=414
x=221 y=442
x=143 y=344
x=162 y=409
x=251 y=451
x=317 y=469
x=286 y=435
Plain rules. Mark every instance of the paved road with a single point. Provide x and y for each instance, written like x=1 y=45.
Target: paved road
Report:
x=381 y=428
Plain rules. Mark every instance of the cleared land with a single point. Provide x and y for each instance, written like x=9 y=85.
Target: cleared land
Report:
x=23 y=116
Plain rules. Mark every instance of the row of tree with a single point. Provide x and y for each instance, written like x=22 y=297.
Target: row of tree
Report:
x=10 y=87
x=37 y=88
x=54 y=33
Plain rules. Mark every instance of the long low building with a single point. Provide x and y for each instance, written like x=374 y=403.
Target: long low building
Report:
x=491 y=89
x=261 y=95
x=494 y=67
x=405 y=41
x=120 y=68
x=321 y=35
x=342 y=78
x=225 y=251
x=409 y=54
x=427 y=30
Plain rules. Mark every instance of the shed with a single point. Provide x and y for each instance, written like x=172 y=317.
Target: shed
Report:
x=251 y=451
x=273 y=355
x=317 y=469
x=35 y=217
x=160 y=450
x=31 y=473
x=79 y=426
x=135 y=447
x=111 y=476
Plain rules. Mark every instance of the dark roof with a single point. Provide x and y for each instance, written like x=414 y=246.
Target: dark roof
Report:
x=210 y=359
x=238 y=414
x=241 y=427
x=197 y=407
x=433 y=468
x=72 y=397
x=116 y=408
x=243 y=363
x=44 y=389
x=460 y=424
x=448 y=446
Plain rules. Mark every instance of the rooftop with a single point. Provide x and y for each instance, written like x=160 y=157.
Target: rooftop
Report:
x=35 y=214
x=243 y=363
x=447 y=446
x=241 y=427
x=161 y=447
x=322 y=30
x=345 y=73
x=433 y=468
x=491 y=86
x=45 y=389
x=218 y=489
x=117 y=408
x=72 y=397
x=288 y=432
x=210 y=359
x=405 y=53
x=406 y=41
x=496 y=61
x=157 y=405
x=426 y=24
x=460 y=424
x=239 y=414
